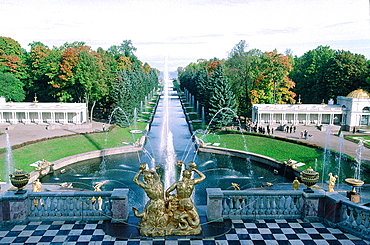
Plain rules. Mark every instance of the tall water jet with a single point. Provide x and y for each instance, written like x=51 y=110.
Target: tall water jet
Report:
x=9 y=163
x=359 y=150
x=167 y=147
x=327 y=153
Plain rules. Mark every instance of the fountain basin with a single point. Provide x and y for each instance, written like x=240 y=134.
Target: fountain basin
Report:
x=354 y=183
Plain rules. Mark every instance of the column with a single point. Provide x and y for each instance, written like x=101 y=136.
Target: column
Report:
x=27 y=119
x=283 y=118
x=65 y=117
x=319 y=119
x=2 y=120
x=313 y=206
x=52 y=117
x=39 y=117
x=307 y=119
x=331 y=120
x=119 y=200
x=214 y=205
x=14 y=119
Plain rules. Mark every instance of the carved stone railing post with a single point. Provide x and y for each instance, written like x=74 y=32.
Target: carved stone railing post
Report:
x=14 y=208
x=119 y=200
x=214 y=204
x=313 y=206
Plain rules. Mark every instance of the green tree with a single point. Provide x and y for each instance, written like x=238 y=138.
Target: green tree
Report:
x=222 y=103
x=241 y=69
x=11 y=87
x=310 y=74
x=346 y=72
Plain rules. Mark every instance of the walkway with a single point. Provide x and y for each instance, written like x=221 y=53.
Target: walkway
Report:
x=259 y=232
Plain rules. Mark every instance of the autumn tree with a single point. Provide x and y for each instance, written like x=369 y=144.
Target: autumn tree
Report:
x=272 y=84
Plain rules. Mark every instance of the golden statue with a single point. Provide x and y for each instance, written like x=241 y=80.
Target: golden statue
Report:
x=236 y=186
x=97 y=188
x=177 y=214
x=296 y=184
x=186 y=219
x=153 y=219
x=36 y=187
x=332 y=179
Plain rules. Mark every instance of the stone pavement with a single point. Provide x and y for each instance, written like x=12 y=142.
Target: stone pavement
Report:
x=21 y=133
x=242 y=232
x=325 y=139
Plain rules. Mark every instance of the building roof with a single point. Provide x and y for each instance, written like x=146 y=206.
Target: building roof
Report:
x=359 y=94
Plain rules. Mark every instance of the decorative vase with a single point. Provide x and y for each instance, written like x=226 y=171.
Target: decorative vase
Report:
x=19 y=179
x=354 y=183
x=309 y=177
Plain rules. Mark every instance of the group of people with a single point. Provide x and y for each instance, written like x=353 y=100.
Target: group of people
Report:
x=175 y=215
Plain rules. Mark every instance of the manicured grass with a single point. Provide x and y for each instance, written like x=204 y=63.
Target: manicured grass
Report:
x=277 y=149
x=57 y=148
x=357 y=138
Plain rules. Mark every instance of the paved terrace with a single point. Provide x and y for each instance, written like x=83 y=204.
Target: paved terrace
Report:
x=272 y=231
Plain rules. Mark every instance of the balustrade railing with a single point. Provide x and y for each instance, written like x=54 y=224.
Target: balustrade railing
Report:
x=262 y=205
x=70 y=205
x=355 y=219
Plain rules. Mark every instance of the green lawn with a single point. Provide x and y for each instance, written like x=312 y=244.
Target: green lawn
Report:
x=277 y=149
x=57 y=148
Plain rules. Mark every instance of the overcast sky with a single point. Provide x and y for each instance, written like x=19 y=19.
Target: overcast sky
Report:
x=188 y=30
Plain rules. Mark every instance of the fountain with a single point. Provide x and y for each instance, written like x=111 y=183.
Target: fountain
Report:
x=9 y=156
x=168 y=139
x=355 y=181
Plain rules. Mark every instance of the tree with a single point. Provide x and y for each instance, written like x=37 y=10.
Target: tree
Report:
x=273 y=84
x=43 y=68
x=241 y=69
x=11 y=88
x=310 y=74
x=11 y=57
x=346 y=72
x=222 y=103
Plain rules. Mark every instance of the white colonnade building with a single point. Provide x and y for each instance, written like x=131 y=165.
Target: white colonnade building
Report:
x=350 y=112
x=42 y=113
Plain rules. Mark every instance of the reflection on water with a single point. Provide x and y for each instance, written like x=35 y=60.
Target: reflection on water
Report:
x=220 y=171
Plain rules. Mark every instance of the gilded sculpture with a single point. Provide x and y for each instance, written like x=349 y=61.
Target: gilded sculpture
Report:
x=175 y=215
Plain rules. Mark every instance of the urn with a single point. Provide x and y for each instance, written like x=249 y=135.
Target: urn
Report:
x=19 y=179
x=309 y=177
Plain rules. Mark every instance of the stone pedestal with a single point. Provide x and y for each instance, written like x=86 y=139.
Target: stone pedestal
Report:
x=214 y=204
x=354 y=196
x=313 y=206
x=14 y=207
x=119 y=201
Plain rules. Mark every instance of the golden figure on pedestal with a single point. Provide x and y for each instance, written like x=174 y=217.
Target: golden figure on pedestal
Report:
x=175 y=215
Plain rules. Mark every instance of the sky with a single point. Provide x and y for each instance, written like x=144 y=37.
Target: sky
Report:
x=187 y=30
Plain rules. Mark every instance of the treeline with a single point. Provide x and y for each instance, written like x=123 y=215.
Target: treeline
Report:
x=250 y=77
x=76 y=73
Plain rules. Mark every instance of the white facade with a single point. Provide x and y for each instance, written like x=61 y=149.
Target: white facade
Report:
x=350 y=112
x=39 y=113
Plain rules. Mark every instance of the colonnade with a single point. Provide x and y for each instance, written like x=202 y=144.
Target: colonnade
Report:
x=39 y=113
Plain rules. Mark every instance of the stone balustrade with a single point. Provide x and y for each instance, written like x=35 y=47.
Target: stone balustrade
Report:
x=64 y=205
x=253 y=204
x=331 y=208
